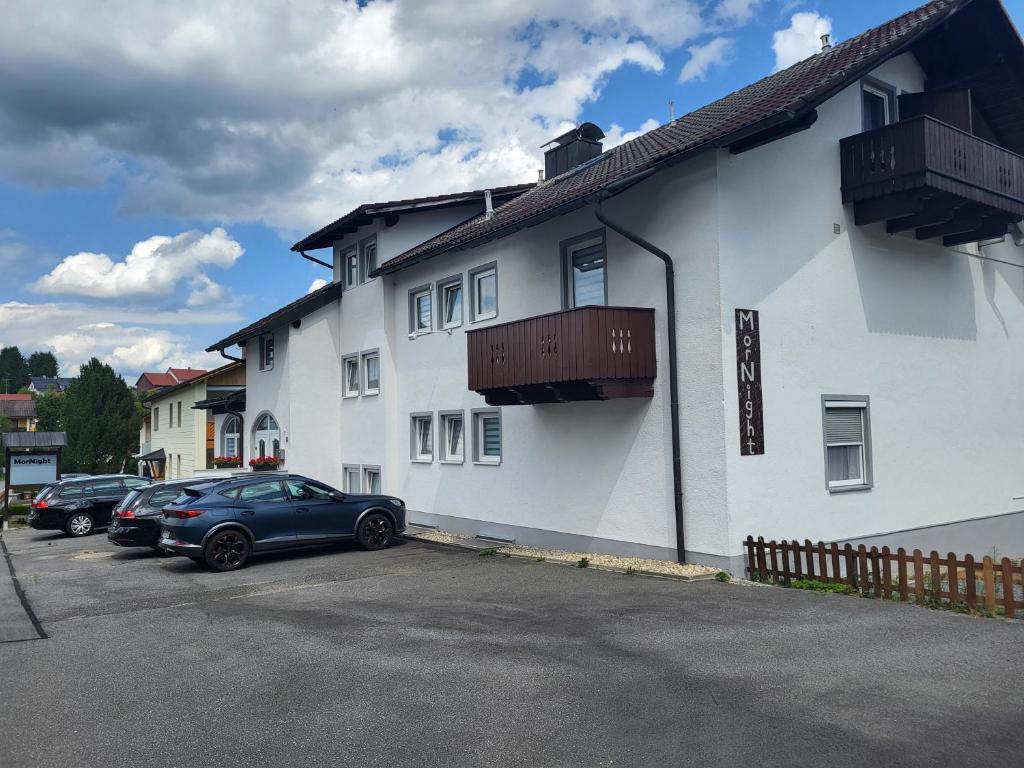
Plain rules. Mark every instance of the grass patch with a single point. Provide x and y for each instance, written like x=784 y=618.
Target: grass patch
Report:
x=583 y=562
x=489 y=552
x=723 y=577
x=820 y=586
x=630 y=570
x=541 y=559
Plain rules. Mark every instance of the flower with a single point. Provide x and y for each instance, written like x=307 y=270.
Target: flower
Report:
x=227 y=461
x=264 y=461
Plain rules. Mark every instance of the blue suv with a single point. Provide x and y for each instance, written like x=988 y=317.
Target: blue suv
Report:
x=223 y=522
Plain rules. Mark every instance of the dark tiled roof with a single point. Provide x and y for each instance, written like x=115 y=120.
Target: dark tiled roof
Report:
x=18 y=409
x=47 y=383
x=35 y=439
x=286 y=314
x=777 y=99
x=325 y=236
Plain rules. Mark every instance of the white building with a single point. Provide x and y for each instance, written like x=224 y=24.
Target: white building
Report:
x=849 y=305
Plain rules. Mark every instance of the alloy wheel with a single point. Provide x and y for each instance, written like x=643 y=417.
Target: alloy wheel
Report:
x=80 y=525
x=228 y=550
x=376 y=532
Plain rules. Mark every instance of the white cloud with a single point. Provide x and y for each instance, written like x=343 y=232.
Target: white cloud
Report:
x=153 y=268
x=737 y=11
x=617 y=135
x=703 y=57
x=200 y=121
x=802 y=38
x=316 y=285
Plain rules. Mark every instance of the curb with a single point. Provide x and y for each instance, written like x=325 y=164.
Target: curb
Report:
x=569 y=563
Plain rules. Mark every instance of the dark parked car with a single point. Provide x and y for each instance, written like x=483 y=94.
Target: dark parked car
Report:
x=80 y=506
x=224 y=521
x=136 y=520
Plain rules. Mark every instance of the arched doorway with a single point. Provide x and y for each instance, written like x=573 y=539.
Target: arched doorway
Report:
x=231 y=436
x=266 y=437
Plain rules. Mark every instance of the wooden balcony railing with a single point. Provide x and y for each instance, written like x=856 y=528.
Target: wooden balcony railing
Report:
x=931 y=173
x=590 y=353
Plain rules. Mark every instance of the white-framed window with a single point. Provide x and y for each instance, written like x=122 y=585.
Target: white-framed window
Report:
x=453 y=438
x=371 y=372
x=878 y=104
x=367 y=258
x=350 y=263
x=232 y=436
x=352 y=477
x=585 y=277
x=487 y=436
x=847 y=435
x=420 y=310
x=449 y=302
x=156 y=419
x=170 y=415
x=483 y=282
x=422 y=436
x=266 y=436
x=179 y=413
x=350 y=372
x=266 y=351
x=371 y=479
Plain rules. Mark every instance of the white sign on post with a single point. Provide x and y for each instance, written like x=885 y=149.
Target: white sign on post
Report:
x=33 y=469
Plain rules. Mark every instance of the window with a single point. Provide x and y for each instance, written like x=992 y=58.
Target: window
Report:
x=847 y=430
x=135 y=482
x=452 y=437
x=585 y=279
x=371 y=373
x=351 y=370
x=267 y=436
x=170 y=415
x=352 y=476
x=179 y=413
x=419 y=310
x=164 y=497
x=72 y=492
x=487 y=437
x=232 y=436
x=266 y=352
x=156 y=419
x=305 y=490
x=371 y=479
x=449 y=300
x=268 y=492
x=368 y=258
x=422 y=437
x=483 y=283
x=351 y=262
x=878 y=105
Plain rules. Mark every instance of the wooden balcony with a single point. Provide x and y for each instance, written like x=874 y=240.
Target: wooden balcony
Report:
x=925 y=175
x=590 y=353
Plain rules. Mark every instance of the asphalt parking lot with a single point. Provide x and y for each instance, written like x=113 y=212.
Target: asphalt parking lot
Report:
x=422 y=655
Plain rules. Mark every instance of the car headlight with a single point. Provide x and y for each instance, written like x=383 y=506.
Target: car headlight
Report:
x=397 y=502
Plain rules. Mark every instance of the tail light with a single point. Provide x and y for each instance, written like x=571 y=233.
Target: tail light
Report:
x=40 y=504
x=185 y=514
x=125 y=514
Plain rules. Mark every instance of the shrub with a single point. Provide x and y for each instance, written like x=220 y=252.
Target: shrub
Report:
x=489 y=552
x=584 y=562
x=723 y=576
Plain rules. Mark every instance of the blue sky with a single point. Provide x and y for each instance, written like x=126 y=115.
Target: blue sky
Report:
x=177 y=122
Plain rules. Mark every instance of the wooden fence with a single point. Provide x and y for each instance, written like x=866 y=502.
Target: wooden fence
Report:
x=989 y=586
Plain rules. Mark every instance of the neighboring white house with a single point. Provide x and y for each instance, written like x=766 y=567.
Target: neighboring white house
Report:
x=186 y=425
x=849 y=307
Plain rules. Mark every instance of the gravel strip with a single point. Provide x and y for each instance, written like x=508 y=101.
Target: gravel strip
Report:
x=667 y=567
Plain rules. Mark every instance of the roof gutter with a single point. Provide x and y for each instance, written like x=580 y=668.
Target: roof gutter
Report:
x=226 y=356
x=316 y=260
x=673 y=377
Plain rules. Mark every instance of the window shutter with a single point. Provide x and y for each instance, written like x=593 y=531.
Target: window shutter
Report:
x=492 y=436
x=844 y=425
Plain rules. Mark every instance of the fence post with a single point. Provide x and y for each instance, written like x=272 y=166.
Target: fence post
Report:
x=901 y=574
x=836 y=573
x=851 y=566
x=750 y=557
x=784 y=546
x=862 y=570
x=933 y=560
x=1009 y=604
x=886 y=573
x=952 y=579
x=762 y=566
x=919 y=576
x=797 y=568
x=970 y=583
x=809 y=550
x=990 y=585
x=822 y=563
x=773 y=548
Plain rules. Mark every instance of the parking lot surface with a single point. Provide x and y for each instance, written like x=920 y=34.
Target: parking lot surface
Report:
x=420 y=655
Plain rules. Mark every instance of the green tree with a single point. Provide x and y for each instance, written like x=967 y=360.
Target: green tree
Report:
x=13 y=370
x=6 y=425
x=43 y=364
x=50 y=411
x=102 y=421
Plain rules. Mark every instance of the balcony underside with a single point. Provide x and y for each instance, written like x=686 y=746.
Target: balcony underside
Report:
x=932 y=213
x=569 y=391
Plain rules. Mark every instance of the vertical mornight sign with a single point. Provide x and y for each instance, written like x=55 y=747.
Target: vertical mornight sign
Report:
x=748 y=382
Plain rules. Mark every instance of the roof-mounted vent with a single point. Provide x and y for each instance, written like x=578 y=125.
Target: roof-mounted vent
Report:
x=825 y=44
x=572 y=148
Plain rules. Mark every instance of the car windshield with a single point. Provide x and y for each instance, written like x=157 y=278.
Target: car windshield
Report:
x=128 y=501
x=45 y=491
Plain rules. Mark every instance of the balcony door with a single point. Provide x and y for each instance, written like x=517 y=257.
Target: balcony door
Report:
x=584 y=270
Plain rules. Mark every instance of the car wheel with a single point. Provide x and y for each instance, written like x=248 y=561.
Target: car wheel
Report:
x=375 y=531
x=227 y=550
x=79 y=524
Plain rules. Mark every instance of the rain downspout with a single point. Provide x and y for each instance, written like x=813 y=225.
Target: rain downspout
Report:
x=673 y=383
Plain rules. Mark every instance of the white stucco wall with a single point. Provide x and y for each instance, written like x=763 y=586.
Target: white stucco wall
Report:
x=931 y=335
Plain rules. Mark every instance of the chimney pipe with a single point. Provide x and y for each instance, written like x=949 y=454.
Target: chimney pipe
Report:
x=671 y=111
x=488 y=205
x=825 y=44
x=540 y=175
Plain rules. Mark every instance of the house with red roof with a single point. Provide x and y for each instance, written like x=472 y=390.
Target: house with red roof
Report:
x=795 y=312
x=170 y=378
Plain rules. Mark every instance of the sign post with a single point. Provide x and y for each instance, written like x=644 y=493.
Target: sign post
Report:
x=31 y=460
